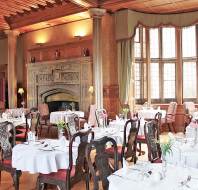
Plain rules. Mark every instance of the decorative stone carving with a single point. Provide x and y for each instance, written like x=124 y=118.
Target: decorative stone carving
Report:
x=71 y=75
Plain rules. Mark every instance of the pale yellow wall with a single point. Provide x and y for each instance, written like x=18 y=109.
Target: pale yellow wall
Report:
x=3 y=51
x=57 y=35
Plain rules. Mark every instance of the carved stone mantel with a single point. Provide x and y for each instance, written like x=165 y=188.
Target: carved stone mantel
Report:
x=73 y=75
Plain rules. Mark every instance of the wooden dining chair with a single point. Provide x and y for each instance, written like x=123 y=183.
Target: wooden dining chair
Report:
x=152 y=141
x=128 y=149
x=141 y=138
x=169 y=119
x=66 y=178
x=101 y=117
x=34 y=116
x=7 y=142
x=72 y=124
x=101 y=165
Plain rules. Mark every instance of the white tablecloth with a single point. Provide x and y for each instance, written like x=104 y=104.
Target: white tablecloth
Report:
x=133 y=178
x=30 y=158
x=150 y=113
x=115 y=133
x=120 y=125
x=15 y=121
x=61 y=115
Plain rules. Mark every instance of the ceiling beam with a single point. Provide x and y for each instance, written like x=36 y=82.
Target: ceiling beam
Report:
x=85 y=3
x=46 y=14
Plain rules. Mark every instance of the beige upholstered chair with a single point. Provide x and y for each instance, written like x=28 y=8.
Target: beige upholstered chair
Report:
x=189 y=109
x=92 y=116
x=44 y=113
x=170 y=117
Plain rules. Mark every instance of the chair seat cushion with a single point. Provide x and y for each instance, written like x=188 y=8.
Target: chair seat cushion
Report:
x=7 y=163
x=141 y=137
x=60 y=175
x=158 y=160
x=21 y=135
x=110 y=150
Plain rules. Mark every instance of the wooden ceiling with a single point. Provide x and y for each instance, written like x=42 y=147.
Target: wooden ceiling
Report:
x=27 y=15
x=152 y=6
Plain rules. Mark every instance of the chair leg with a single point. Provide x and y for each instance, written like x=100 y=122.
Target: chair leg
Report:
x=16 y=175
x=39 y=185
x=169 y=127
x=87 y=181
x=140 y=148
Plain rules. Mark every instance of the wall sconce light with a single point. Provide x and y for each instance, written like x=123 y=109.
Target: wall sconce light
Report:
x=78 y=37
x=91 y=90
x=21 y=91
x=40 y=44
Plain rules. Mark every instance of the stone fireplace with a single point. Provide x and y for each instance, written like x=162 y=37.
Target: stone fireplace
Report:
x=60 y=83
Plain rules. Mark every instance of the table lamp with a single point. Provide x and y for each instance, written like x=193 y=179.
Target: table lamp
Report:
x=21 y=92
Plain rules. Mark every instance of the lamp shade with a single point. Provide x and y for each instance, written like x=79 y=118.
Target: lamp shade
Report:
x=20 y=90
x=91 y=89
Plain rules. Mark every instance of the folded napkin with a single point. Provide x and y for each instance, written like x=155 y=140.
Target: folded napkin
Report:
x=87 y=126
x=171 y=136
x=4 y=115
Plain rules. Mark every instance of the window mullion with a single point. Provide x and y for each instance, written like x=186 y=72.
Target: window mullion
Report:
x=161 y=84
x=197 y=59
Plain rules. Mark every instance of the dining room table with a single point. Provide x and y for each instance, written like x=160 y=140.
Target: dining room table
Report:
x=184 y=148
x=57 y=116
x=147 y=176
x=43 y=156
x=149 y=113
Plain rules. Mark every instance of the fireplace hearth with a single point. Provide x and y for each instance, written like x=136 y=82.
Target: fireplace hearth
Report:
x=62 y=105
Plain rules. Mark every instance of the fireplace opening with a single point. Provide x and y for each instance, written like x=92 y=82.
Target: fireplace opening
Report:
x=62 y=105
x=60 y=100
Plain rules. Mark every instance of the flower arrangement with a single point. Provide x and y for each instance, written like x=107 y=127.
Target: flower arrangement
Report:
x=125 y=112
x=166 y=147
x=61 y=125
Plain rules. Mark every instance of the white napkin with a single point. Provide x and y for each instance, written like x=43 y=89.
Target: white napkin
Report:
x=117 y=118
x=4 y=115
x=87 y=126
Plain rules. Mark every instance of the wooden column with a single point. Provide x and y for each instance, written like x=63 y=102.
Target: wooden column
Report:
x=96 y=14
x=12 y=81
